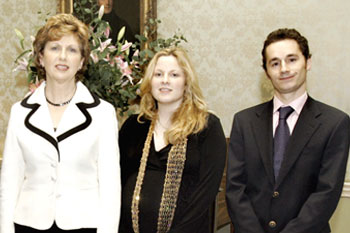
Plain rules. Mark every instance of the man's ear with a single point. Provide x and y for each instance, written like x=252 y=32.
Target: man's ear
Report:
x=308 y=64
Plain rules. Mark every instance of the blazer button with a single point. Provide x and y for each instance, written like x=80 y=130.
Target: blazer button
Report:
x=272 y=224
x=275 y=194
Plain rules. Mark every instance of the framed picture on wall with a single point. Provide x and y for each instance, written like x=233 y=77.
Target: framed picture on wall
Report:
x=133 y=14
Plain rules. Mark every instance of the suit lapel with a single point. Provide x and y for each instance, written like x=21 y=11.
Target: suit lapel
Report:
x=41 y=118
x=71 y=118
x=304 y=129
x=262 y=128
x=75 y=118
x=38 y=119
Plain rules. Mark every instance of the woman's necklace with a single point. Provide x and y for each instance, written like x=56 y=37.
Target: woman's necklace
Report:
x=60 y=104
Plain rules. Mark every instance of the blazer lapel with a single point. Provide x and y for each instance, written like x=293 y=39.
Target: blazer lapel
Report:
x=41 y=119
x=262 y=128
x=71 y=118
x=38 y=119
x=76 y=117
x=305 y=127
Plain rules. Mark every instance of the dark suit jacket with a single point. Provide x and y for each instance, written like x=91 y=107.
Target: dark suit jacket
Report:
x=308 y=188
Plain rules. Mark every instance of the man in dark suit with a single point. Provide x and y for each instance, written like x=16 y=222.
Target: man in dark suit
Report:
x=295 y=191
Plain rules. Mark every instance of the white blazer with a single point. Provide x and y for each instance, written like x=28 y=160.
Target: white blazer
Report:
x=71 y=176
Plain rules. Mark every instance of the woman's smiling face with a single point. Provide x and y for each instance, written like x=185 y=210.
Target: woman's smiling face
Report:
x=62 y=58
x=168 y=82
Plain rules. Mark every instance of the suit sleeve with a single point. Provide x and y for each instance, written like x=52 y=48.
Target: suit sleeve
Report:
x=109 y=174
x=239 y=206
x=212 y=152
x=322 y=203
x=12 y=175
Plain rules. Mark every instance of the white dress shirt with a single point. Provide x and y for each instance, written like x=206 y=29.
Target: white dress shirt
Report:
x=296 y=104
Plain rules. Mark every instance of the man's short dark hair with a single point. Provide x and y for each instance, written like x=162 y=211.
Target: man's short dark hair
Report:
x=283 y=34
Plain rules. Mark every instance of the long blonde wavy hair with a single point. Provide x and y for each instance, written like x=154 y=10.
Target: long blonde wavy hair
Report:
x=192 y=115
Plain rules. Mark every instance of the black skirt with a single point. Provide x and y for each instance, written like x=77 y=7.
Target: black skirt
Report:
x=53 y=229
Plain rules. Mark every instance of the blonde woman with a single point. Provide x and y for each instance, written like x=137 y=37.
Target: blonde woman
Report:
x=172 y=153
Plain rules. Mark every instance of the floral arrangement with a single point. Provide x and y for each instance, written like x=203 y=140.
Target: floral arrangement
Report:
x=114 y=70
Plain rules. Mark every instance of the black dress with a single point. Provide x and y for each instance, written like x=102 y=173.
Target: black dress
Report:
x=204 y=165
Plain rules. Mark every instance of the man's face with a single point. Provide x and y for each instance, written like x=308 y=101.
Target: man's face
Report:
x=108 y=4
x=286 y=67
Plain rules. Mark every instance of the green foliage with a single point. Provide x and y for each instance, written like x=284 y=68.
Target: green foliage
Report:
x=112 y=73
x=85 y=10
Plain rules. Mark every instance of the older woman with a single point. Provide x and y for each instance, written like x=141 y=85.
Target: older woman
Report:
x=60 y=168
x=172 y=153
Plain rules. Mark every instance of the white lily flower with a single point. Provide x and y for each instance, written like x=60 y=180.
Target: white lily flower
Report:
x=101 y=11
x=126 y=46
x=104 y=44
x=94 y=57
x=22 y=65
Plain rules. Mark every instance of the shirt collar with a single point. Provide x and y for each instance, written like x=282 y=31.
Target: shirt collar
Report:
x=82 y=94
x=296 y=104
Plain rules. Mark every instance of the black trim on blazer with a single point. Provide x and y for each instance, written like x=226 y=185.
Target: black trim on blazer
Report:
x=82 y=107
x=34 y=129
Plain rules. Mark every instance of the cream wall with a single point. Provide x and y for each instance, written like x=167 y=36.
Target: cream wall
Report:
x=225 y=39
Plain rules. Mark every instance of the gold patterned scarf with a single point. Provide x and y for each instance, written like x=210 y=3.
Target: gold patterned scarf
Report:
x=172 y=182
